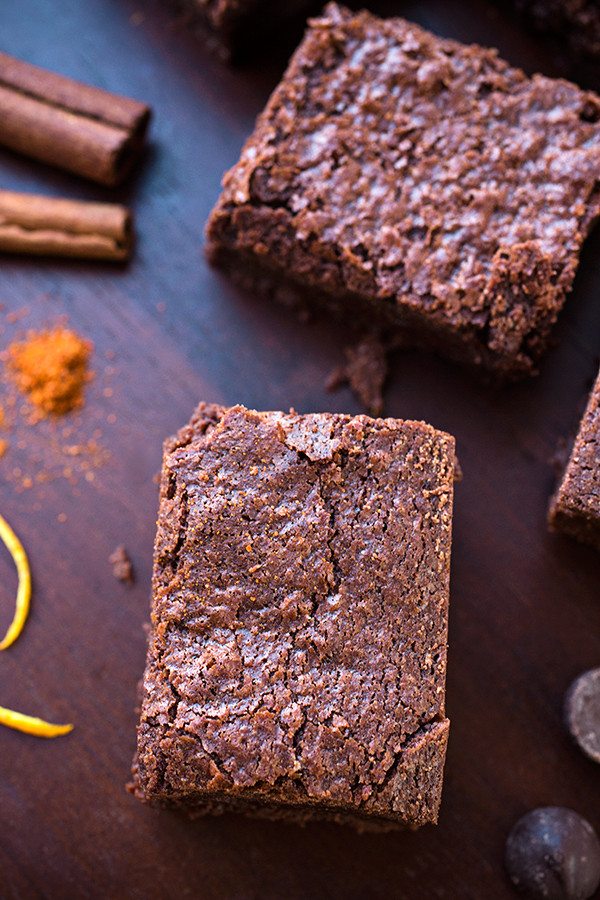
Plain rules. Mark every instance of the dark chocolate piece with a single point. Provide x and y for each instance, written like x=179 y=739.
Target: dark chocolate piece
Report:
x=582 y=712
x=552 y=853
x=414 y=181
x=296 y=665
x=575 y=508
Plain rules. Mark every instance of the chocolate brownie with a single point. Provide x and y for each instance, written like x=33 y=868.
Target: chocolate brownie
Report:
x=574 y=28
x=575 y=508
x=297 y=657
x=419 y=181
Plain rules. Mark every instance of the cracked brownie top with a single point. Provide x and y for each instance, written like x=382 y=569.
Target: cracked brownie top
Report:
x=298 y=650
x=424 y=174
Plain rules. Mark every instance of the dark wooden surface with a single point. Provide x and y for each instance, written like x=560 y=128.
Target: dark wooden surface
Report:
x=168 y=331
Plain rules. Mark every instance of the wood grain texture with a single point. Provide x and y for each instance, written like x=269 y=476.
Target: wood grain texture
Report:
x=167 y=332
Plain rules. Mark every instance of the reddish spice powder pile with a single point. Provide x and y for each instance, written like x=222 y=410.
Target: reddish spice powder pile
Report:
x=51 y=367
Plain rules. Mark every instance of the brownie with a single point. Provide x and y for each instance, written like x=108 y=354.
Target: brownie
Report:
x=405 y=179
x=573 y=28
x=297 y=655
x=575 y=508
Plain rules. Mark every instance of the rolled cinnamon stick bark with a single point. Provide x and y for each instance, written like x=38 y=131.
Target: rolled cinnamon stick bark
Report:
x=73 y=126
x=47 y=226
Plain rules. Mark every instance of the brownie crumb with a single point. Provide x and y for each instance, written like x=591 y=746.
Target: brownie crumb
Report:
x=365 y=372
x=122 y=568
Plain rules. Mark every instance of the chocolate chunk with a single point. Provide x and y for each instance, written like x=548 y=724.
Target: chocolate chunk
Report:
x=553 y=853
x=582 y=712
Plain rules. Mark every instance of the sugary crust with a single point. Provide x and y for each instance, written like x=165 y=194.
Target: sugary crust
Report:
x=296 y=665
x=575 y=508
x=424 y=178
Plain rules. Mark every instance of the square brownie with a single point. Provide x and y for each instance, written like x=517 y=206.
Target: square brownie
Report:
x=575 y=508
x=413 y=181
x=297 y=657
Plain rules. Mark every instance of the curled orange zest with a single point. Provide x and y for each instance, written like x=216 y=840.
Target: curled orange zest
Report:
x=24 y=589
x=31 y=724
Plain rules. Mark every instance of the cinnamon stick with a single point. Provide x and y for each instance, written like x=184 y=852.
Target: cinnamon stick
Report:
x=47 y=226
x=73 y=126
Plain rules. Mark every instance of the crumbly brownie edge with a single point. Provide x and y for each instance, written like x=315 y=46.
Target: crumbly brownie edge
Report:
x=233 y=231
x=420 y=766
x=575 y=506
x=424 y=766
x=397 y=328
x=575 y=524
x=204 y=418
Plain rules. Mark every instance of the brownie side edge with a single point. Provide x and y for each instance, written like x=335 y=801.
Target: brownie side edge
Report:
x=575 y=507
x=418 y=778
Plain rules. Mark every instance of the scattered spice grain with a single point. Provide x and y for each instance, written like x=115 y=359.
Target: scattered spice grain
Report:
x=51 y=367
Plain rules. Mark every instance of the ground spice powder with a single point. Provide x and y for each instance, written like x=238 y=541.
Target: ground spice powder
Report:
x=51 y=367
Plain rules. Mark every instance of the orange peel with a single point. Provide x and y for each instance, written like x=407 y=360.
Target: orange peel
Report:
x=31 y=724
x=19 y=556
x=10 y=717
